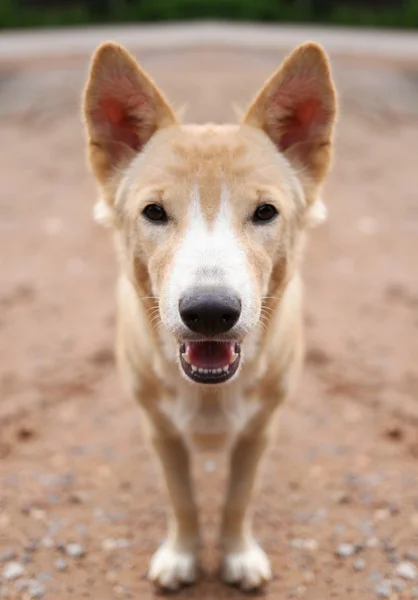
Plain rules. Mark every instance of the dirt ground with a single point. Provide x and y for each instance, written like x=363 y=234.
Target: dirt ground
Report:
x=73 y=465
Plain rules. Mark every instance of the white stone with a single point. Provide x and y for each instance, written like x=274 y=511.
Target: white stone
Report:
x=13 y=570
x=75 y=550
x=407 y=570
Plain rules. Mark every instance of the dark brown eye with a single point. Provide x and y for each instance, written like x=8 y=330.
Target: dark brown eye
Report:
x=264 y=213
x=155 y=213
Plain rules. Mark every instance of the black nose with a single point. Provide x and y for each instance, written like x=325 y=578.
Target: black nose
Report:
x=210 y=311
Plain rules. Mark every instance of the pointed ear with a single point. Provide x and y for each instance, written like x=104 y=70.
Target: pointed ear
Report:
x=297 y=107
x=122 y=109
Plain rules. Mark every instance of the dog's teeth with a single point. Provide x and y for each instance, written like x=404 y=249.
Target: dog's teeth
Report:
x=186 y=357
x=194 y=369
x=200 y=370
x=234 y=357
x=206 y=370
x=219 y=370
x=226 y=368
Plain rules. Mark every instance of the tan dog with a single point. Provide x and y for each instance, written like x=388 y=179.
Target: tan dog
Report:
x=210 y=224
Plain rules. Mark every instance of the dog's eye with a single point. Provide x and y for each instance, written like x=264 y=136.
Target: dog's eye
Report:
x=155 y=213
x=264 y=213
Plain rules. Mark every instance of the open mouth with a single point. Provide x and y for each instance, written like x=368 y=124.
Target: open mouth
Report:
x=210 y=362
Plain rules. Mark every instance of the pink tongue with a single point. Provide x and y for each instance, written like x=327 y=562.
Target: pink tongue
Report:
x=210 y=355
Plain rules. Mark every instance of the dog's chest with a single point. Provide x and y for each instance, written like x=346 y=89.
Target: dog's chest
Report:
x=211 y=420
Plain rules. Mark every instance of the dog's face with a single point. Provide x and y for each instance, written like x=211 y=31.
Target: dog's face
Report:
x=210 y=218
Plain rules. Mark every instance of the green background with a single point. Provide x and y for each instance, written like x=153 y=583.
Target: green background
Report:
x=380 y=13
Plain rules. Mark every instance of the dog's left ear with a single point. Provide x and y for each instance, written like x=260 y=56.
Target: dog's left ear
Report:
x=122 y=108
x=297 y=108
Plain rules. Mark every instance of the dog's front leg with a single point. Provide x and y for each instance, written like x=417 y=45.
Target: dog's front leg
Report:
x=175 y=563
x=244 y=562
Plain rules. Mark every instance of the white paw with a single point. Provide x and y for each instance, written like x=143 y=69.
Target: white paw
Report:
x=250 y=568
x=171 y=568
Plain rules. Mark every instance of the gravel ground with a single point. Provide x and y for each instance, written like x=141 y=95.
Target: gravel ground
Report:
x=81 y=506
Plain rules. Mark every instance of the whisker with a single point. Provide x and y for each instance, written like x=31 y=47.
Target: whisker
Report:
x=265 y=319
x=153 y=315
x=154 y=323
x=263 y=326
x=148 y=298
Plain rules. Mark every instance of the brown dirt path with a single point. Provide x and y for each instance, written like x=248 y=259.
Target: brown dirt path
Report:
x=73 y=467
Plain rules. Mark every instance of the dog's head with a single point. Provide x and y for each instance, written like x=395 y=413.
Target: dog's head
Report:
x=210 y=219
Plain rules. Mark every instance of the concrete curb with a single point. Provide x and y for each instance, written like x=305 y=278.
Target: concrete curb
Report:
x=386 y=45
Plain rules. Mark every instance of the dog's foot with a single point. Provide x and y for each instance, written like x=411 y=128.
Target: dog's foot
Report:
x=171 y=568
x=249 y=569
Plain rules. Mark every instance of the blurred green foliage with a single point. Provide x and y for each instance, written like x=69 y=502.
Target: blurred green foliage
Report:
x=384 y=13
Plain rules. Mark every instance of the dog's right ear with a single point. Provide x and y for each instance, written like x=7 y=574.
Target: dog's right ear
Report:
x=297 y=108
x=122 y=108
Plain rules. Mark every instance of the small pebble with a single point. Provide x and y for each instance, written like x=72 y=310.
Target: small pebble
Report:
x=32 y=545
x=308 y=577
x=25 y=508
x=341 y=497
x=359 y=564
x=21 y=584
x=7 y=556
x=367 y=527
x=81 y=529
x=61 y=564
x=12 y=571
x=381 y=514
x=345 y=550
x=366 y=498
x=388 y=546
x=372 y=542
x=209 y=466
x=111 y=576
x=36 y=589
x=75 y=550
x=26 y=558
x=54 y=527
x=45 y=576
x=111 y=544
x=78 y=497
x=411 y=555
x=38 y=514
x=398 y=585
x=47 y=542
x=407 y=570
x=320 y=515
x=339 y=529
x=383 y=589
x=301 y=544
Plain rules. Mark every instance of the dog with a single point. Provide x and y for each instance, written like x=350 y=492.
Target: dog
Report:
x=210 y=224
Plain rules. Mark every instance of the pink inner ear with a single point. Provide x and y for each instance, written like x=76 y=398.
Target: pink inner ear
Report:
x=119 y=118
x=300 y=125
x=123 y=126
